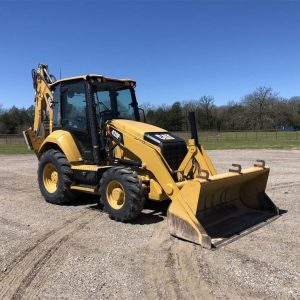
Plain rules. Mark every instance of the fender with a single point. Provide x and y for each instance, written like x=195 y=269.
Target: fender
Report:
x=65 y=142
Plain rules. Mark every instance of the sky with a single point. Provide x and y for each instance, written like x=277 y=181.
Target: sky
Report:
x=175 y=50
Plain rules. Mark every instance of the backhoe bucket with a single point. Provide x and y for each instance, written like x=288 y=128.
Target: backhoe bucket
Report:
x=216 y=210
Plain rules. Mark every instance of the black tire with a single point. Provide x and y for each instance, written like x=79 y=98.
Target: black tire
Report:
x=131 y=185
x=63 y=194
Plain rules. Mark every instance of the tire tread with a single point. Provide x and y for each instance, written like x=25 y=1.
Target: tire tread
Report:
x=132 y=185
x=64 y=194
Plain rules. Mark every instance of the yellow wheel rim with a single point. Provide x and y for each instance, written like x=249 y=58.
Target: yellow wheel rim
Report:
x=50 y=178
x=115 y=194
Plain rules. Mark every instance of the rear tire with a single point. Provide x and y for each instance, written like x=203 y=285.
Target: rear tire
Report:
x=55 y=178
x=121 y=194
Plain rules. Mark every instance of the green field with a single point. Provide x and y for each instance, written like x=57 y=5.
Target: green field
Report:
x=247 y=139
x=246 y=144
x=14 y=149
x=210 y=140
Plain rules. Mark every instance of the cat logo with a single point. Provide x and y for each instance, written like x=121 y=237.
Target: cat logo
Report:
x=164 y=136
x=117 y=135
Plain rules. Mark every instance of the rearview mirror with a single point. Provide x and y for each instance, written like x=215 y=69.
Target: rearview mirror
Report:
x=143 y=111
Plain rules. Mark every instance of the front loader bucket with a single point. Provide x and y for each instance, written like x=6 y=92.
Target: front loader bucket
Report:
x=214 y=211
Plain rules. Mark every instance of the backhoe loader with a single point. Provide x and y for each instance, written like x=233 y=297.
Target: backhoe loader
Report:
x=89 y=138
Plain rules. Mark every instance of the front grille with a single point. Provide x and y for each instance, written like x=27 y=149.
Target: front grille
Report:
x=174 y=153
x=173 y=148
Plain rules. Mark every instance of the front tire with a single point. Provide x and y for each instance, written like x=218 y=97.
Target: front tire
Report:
x=121 y=194
x=55 y=178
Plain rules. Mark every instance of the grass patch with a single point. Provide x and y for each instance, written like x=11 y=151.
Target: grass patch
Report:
x=14 y=149
x=246 y=144
x=247 y=139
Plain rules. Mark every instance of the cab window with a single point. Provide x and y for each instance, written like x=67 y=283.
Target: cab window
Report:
x=56 y=108
x=74 y=106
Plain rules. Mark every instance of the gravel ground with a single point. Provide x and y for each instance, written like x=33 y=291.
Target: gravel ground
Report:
x=77 y=252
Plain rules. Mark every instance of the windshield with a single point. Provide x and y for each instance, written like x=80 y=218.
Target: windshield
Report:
x=115 y=99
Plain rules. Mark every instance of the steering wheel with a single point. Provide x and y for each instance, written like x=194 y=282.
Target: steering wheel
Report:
x=106 y=112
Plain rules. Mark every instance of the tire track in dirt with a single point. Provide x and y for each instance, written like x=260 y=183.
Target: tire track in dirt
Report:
x=38 y=265
x=54 y=259
x=21 y=256
x=9 y=222
x=170 y=269
x=158 y=267
x=187 y=272
x=284 y=185
x=22 y=271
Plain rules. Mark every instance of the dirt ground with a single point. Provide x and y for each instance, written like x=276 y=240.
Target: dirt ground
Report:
x=77 y=252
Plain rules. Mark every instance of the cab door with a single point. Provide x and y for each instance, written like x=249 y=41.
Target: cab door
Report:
x=74 y=116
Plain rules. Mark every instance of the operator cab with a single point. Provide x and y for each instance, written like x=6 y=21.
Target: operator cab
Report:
x=82 y=105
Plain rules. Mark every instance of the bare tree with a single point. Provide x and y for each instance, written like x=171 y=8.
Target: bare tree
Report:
x=294 y=107
x=147 y=106
x=258 y=103
x=206 y=105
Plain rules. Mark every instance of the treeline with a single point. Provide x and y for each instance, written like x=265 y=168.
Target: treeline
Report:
x=263 y=109
x=15 y=120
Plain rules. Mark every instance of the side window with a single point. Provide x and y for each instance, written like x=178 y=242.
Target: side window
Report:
x=125 y=108
x=74 y=106
x=56 y=108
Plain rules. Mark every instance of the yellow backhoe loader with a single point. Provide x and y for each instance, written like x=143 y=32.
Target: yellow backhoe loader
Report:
x=88 y=137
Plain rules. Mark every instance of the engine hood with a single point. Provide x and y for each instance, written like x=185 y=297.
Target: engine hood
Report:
x=172 y=148
x=138 y=129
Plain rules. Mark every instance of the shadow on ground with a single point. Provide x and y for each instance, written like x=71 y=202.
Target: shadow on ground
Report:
x=153 y=212
x=282 y=211
x=85 y=199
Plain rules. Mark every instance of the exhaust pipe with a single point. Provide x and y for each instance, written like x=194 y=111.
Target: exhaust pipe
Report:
x=194 y=132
